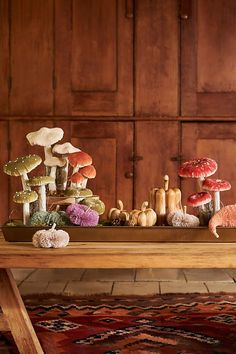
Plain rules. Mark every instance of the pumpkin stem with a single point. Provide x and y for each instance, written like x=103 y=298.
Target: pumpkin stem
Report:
x=53 y=226
x=120 y=204
x=166 y=183
x=144 y=206
x=185 y=210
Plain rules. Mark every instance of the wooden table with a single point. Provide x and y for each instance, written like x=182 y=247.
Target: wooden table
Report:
x=94 y=255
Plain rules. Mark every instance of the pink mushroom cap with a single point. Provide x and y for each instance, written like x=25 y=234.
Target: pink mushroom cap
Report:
x=197 y=168
x=199 y=199
x=216 y=185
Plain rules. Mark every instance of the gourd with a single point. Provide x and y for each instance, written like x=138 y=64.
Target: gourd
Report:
x=118 y=213
x=144 y=217
x=180 y=218
x=51 y=238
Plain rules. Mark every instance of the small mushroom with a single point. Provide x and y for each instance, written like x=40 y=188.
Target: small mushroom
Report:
x=25 y=197
x=21 y=166
x=54 y=162
x=88 y=172
x=41 y=182
x=200 y=200
x=78 y=194
x=95 y=203
x=78 y=160
x=216 y=186
x=198 y=168
x=64 y=150
x=77 y=179
x=51 y=238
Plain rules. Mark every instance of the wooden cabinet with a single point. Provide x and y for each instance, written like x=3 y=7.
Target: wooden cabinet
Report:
x=4 y=185
x=4 y=56
x=208 y=52
x=157 y=149
x=156 y=58
x=215 y=140
x=93 y=57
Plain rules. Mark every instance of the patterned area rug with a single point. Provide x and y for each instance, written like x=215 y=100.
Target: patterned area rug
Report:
x=170 y=324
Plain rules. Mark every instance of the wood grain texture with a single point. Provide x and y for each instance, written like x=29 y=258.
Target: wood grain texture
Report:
x=3 y=323
x=157 y=143
x=4 y=56
x=94 y=73
x=120 y=255
x=208 y=58
x=215 y=140
x=4 y=157
x=156 y=58
x=17 y=317
x=31 y=57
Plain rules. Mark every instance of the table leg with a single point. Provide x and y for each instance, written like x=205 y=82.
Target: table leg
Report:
x=16 y=315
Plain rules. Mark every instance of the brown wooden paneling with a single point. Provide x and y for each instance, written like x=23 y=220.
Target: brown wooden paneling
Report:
x=94 y=58
x=208 y=58
x=157 y=143
x=215 y=140
x=156 y=57
x=31 y=57
x=4 y=157
x=4 y=56
x=20 y=147
x=111 y=146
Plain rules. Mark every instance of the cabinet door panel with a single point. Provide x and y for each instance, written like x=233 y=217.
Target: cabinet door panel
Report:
x=157 y=143
x=31 y=57
x=208 y=58
x=215 y=140
x=93 y=58
x=4 y=157
x=111 y=146
x=4 y=56
x=20 y=147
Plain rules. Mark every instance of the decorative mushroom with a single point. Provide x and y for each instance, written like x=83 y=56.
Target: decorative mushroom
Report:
x=78 y=160
x=45 y=137
x=54 y=162
x=51 y=238
x=200 y=200
x=88 y=172
x=198 y=168
x=216 y=186
x=78 y=194
x=25 y=197
x=21 y=166
x=77 y=179
x=225 y=217
x=41 y=182
x=95 y=203
x=64 y=150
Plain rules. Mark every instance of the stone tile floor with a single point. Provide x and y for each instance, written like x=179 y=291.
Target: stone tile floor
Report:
x=124 y=281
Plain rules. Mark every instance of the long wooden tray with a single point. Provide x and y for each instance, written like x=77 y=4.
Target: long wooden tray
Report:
x=126 y=234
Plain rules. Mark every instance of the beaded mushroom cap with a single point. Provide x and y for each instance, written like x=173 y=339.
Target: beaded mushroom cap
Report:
x=22 y=165
x=215 y=185
x=198 y=168
x=199 y=199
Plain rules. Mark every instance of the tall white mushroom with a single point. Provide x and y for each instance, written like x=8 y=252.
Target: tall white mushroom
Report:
x=41 y=182
x=54 y=162
x=64 y=150
x=45 y=137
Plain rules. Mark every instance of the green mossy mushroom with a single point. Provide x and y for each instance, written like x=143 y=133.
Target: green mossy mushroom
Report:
x=25 y=197
x=41 y=182
x=95 y=204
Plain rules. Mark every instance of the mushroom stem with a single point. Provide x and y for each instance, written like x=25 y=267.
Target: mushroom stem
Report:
x=216 y=201
x=24 y=179
x=64 y=174
x=199 y=183
x=42 y=198
x=84 y=183
x=26 y=213
x=52 y=186
x=47 y=154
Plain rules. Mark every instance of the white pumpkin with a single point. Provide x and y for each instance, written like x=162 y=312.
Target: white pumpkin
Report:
x=51 y=238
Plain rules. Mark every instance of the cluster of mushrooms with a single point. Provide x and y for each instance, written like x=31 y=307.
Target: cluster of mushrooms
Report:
x=55 y=183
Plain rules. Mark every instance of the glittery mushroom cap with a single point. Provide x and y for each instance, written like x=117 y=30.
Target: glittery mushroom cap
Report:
x=40 y=181
x=197 y=168
x=64 y=149
x=23 y=197
x=22 y=165
x=216 y=185
x=77 y=178
x=80 y=158
x=88 y=171
x=85 y=192
x=199 y=199
x=45 y=136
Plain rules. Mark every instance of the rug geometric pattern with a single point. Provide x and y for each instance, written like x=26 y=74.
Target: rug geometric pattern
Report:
x=168 y=324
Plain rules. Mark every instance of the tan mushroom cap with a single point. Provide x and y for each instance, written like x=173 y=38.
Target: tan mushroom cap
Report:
x=22 y=165
x=63 y=149
x=45 y=136
x=54 y=161
x=85 y=192
x=24 y=197
x=40 y=181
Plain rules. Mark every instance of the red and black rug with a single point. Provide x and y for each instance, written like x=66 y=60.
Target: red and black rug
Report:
x=170 y=324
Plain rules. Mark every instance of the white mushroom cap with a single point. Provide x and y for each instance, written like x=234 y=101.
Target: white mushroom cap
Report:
x=45 y=136
x=66 y=148
x=54 y=161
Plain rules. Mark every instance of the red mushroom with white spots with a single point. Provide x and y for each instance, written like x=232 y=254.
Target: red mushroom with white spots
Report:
x=200 y=200
x=198 y=168
x=216 y=186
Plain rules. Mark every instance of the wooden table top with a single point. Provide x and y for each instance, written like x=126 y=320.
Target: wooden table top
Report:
x=119 y=255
